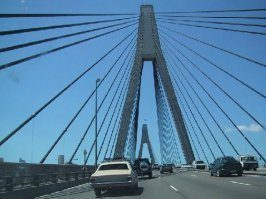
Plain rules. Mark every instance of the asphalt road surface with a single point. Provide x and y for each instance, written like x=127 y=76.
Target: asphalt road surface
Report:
x=183 y=184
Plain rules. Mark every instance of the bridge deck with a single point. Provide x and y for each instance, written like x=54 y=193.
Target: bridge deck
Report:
x=181 y=184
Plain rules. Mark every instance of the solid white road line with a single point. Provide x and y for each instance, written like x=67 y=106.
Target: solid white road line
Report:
x=241 y=183
x=174 y=188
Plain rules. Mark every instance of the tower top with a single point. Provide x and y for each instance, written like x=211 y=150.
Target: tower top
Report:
x=146 y=8
x=147 y=31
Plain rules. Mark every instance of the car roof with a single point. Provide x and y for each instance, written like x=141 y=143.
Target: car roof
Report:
x=142 y=159
x=115 y=162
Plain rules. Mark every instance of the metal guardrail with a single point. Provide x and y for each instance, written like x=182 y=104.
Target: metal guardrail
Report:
x=10 y=183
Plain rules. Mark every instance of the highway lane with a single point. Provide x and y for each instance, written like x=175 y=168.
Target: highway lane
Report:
x=181 y=184
x=202 y=185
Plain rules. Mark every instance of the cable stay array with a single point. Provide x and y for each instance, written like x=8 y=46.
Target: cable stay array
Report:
x=12 y=133
x=218 y=86
x=172 y=48
x=27 y=30
x=60 y=37
x=111 y=101
x=169 y=49
x=216 y=47
x=101 y=104
x=7 y=65
x=215 y=65
x=214 y=11
x=200 y=99
x=212 y=27
x=19 y=15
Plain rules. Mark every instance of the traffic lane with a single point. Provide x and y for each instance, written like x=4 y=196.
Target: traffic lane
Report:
x=181 y=184
x=81 y=192
x=246 y=180
x=199 y=185
x=156 y=188
x=258 y=181
x=148 y=189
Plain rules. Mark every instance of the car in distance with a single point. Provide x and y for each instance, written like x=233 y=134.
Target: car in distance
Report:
x=226 y=166
x=186 y=166
x=166 y=168
x=114 y=174
x=178 y=166
x=156 y=166
x=143 y=167
x=198 y=164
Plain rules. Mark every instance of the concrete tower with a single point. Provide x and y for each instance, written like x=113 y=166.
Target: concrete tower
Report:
x=149 y=49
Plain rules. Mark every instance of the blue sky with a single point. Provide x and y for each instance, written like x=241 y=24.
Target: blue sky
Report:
x=27 y=86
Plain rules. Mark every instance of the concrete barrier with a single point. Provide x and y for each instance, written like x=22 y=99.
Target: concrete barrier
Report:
x=33 y=192
x=27 y=169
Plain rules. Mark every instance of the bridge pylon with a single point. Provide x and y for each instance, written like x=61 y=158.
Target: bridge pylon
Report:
x=146 y=140
x=149 y=49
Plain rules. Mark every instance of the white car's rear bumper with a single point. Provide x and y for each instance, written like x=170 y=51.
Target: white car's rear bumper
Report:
x=111 y=184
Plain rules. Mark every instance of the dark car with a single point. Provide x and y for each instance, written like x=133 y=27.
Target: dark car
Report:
x=143 y=167
x=226 y=166
x=166 y=168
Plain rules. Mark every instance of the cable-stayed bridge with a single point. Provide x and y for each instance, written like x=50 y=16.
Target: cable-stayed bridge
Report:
x=202 y=91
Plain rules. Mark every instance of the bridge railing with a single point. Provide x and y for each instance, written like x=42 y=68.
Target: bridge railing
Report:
x=10 y=183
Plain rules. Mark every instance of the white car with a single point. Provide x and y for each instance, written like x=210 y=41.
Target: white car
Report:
x=198 y=164
x=119 y=174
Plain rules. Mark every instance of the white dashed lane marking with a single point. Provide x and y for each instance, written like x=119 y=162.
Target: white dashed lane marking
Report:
x=194 y=175
x=174 y=188
x=241 y=183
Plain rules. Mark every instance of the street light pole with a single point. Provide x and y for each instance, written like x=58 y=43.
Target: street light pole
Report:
x=96 y=111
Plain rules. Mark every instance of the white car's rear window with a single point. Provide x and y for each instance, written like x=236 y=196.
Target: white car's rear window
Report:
x=199 y=162
x=113 y=167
